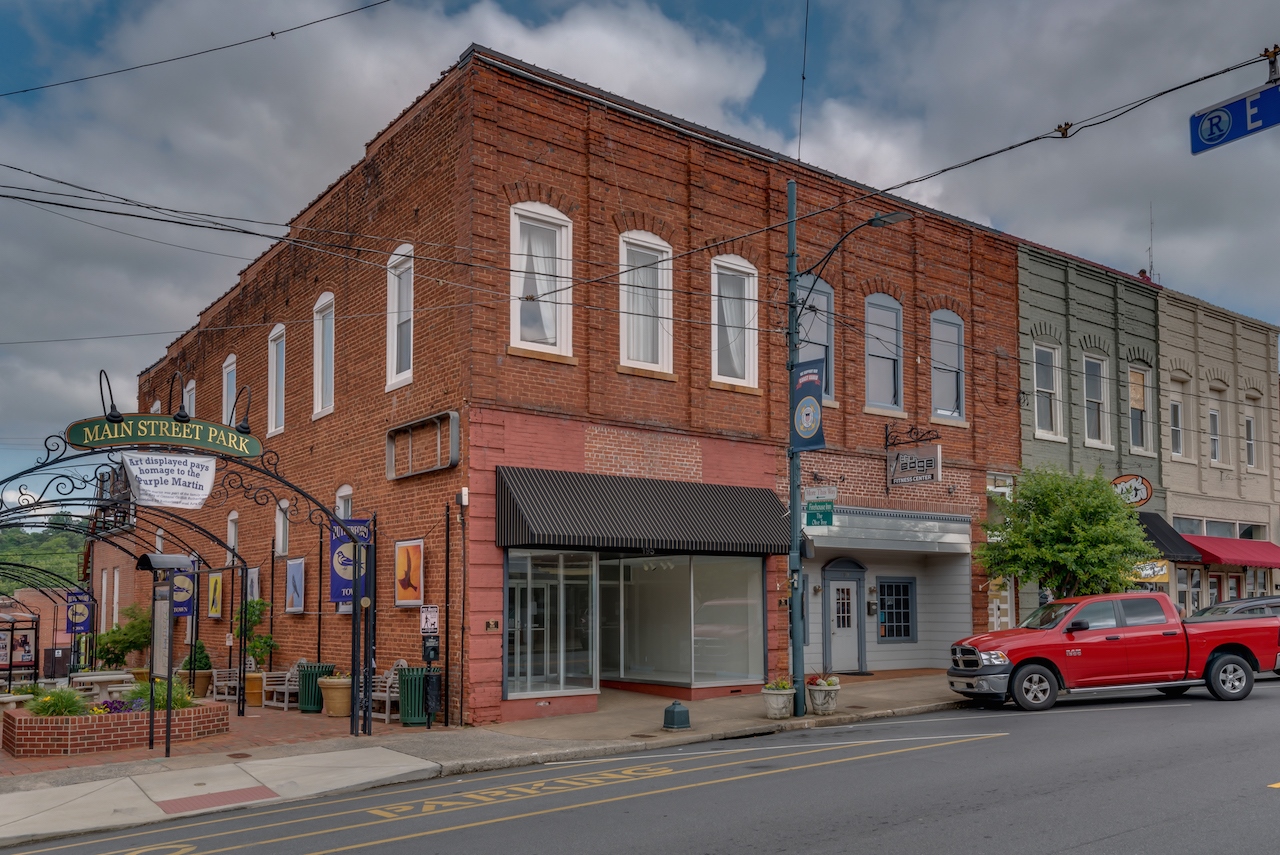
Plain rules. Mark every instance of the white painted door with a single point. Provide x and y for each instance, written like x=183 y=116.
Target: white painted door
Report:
x=843 y=626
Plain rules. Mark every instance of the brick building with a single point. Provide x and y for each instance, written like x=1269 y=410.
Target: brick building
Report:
x=587 y=298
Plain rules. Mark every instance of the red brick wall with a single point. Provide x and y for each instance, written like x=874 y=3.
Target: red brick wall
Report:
x=26 y=735
x=442 y=177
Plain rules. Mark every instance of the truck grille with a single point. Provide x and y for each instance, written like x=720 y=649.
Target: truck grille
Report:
x=966 y=658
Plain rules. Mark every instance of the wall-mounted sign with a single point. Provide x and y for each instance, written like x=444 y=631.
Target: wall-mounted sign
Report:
x=921 y=465
x=1152 y=571
x=1134 y=489
x=806 y=406
x=819 y=513
x=169 y=480
x=429 y=620
x=157 y=429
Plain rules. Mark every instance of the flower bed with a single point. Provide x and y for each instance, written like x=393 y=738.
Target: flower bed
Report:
x=27 y=735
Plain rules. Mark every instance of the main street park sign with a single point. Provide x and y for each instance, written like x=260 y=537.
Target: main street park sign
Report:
x=157 y=429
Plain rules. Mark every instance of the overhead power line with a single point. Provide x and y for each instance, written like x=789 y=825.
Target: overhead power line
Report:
x=270 y=35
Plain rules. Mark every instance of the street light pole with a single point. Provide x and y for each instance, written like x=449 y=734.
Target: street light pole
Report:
x=794 y=308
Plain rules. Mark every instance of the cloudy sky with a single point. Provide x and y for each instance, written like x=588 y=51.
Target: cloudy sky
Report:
x=895 y=89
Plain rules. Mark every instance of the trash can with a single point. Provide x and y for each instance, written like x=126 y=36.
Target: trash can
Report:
x=309 y=698
x=413 y=695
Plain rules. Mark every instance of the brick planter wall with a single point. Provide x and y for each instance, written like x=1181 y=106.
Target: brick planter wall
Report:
x=26 y=735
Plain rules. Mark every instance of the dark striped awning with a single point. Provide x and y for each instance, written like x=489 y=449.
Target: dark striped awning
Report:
x=548 y=508
x=1166 y=539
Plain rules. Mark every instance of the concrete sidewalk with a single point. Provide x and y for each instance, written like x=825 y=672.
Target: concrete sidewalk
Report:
x=114 y=795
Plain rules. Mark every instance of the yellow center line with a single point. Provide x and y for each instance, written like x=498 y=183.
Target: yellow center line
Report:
x=611 y=777
x=597 y=802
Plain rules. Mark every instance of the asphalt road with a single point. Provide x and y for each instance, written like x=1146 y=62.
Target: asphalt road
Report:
x=1130 y=775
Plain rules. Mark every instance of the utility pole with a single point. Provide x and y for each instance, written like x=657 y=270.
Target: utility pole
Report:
x=793 y=456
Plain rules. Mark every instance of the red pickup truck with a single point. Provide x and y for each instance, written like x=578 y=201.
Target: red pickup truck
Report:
x=1114 y=642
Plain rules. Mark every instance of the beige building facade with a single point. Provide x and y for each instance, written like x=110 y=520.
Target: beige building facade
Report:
x=1218 y=388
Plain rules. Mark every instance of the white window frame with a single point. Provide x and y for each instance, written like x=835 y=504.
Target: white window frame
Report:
x=229 y=394
x=646 y=242
x=1250 y=442
x=233 y=535
x=1177 y=442
x=189 y=398
x=1055 y=400
x=155 y=406
x=736 y=265
x=884 y=301
x=828 y=326
x=540 y=214
x=1148 y=423
x=276 y=352
x=1104 y=411
x=401 y=260
x=324 y=306
x=344 y=502
x=1215 y=435
x=950 y=318
x=282 y=527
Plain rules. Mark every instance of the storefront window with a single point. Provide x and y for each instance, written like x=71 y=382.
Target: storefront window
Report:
x=682 y=620
x=550 y=622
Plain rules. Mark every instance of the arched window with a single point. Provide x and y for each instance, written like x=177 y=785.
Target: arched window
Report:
x=541 y=279
x=275 y=380
x=400 y=318
x=947 y=357
x=229 y=390
x=884 y=351
x=343 y=505
x=322 y=356
x=644 y=301
x=817 y=328
x=733 y=321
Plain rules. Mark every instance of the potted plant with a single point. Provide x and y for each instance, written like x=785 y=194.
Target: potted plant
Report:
x=257 y=647
x=823 y=690
x=199 y=661
x=336 y=690
x=779 y=696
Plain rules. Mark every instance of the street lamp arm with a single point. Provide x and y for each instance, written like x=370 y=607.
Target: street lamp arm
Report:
x=878 y=221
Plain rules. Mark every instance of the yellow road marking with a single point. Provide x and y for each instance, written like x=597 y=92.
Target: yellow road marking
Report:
x=1273 y=786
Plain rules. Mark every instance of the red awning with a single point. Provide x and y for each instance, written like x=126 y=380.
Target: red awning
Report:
x=1228 y=550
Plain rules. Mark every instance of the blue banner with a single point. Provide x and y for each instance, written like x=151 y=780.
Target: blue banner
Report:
x=184 y=594
x=342 y=559
x=79 y=612
x=806 y=406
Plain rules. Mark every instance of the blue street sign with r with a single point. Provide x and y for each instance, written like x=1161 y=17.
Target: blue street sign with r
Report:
x=1214 y=127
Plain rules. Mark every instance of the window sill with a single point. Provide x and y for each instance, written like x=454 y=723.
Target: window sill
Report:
x=1213 y=464
x=399 y=382
x=1182 y=458
x=319 y=414
x=274 y=432
x=1051 y=437
x=647 y=372
x=831 y=405
x=947 y=420
x=884 y=411
x=1100 y=446
x=545 y=356
x=735 y=387
x=1142 y=452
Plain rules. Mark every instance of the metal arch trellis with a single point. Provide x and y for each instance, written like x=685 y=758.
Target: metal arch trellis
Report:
x=69 y=473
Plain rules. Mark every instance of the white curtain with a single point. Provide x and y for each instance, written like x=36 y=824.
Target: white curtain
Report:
x=641 y=306
x=538 y=315
x=731 y=323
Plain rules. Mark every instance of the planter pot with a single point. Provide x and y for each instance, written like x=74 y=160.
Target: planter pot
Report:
x=822 y=699
x=337 y=696
x=253 y=689
x=200 y=686
x=778 y=703
x=140 y=675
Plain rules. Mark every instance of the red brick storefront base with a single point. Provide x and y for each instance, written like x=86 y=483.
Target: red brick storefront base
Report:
x=26 y=735
x=683 y=693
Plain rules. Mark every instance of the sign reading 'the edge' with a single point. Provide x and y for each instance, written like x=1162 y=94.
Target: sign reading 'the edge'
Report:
x=921 y=465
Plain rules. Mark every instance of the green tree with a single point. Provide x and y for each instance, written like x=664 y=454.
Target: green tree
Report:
x=1071 y=534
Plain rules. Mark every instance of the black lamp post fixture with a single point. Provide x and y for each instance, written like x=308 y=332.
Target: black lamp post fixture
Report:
x=794 y=306
x=182 y=416
x=243 y=425
x=113 y=415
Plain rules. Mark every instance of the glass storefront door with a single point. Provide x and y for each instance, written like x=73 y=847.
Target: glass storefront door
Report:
x=550 y=622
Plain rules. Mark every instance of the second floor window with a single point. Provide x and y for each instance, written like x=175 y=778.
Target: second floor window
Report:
x=645 y=302
x=1046 y=384
x=229 y=390
x=1139 y=397
x=1095 y=400
x=400 y=318
x=1215 y=445
x=817 y=329
x=541 y=279
x=322 y=354
x=275 y=380
x=733 y=318
x=282 y=528
x=947 y=356
x=189 y=398
x=884 y=351
x=1175 y=427
x=1250 y=449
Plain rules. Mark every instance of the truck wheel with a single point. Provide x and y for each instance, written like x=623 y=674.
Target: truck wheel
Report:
x=1034 y=688
x=1230 y=678
x=1174 y=691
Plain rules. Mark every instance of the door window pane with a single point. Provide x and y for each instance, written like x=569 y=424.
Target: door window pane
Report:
x=1142 y=612
x=550 y=630
x=728 y=619
x=1099 y=615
